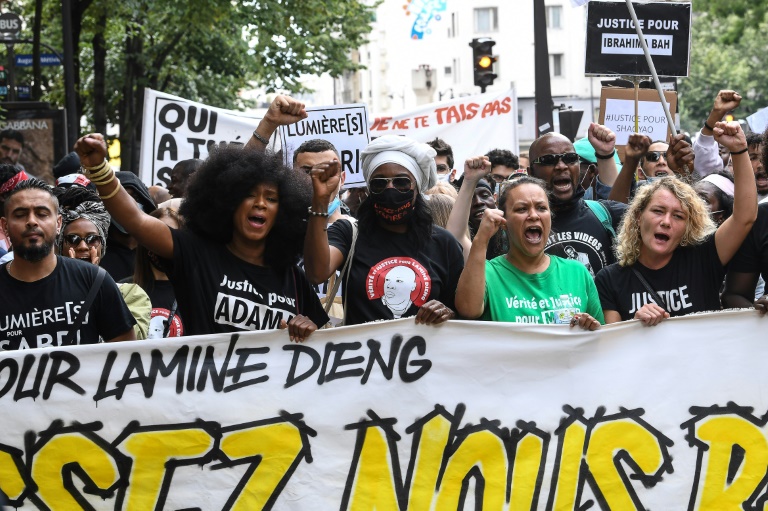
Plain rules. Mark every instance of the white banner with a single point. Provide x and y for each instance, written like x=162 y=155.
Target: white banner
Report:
x=344 y=126
x=177 y=129
x=395 y=416
x=472 y=125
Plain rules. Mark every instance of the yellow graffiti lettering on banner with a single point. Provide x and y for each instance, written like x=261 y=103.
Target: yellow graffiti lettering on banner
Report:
x=432 y=440
x=566 y=483
x=374 y=485
x=605 y=441
x=64 y=451
x=725 y=488
x=273 y=450
x=11 y=482
x=527 y=471
x=481 y=451
x=151 y=452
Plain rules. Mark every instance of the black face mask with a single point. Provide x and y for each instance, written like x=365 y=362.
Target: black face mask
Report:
x=392 y=206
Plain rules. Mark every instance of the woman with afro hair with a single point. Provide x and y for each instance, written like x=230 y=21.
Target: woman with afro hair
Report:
x=233 y=265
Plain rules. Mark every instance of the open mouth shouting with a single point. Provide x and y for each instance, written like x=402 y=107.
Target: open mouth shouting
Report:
x=257 y=221
x=661 y=238
x=761 y=180
x=533 y=234
x=562 y=184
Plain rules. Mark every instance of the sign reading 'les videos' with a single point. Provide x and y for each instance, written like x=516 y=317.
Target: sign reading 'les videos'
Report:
x=613 y=47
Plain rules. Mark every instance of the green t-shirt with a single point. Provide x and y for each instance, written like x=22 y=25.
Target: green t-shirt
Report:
x=550 y=297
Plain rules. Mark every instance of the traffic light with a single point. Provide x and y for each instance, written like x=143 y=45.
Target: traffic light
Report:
x=483 y=59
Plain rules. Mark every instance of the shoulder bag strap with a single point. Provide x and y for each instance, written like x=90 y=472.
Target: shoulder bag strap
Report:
x=68 y=339
x=169 y=321
x=656 y=298
x=602 y=214
x=332 y=293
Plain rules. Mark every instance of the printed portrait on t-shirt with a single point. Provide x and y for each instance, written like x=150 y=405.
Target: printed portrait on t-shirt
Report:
x=399 y=282
x=581 y=257
x=157 y=324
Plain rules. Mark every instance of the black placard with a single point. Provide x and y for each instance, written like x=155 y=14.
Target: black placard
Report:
x=613 y=47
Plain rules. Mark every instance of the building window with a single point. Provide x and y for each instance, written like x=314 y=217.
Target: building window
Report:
x=520 y=116
x=554 y=15
x=448 y=70
x=486 y=19
x=556 y=64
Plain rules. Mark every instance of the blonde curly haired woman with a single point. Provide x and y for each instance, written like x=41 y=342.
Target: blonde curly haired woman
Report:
x=671 y=256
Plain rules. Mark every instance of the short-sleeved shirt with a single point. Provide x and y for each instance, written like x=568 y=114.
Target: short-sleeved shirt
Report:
x=578 y=234
x=752 y=257
x=689 y=283
x=39 y=314
x=219 y=292
x=553 y=296
x=389 y=278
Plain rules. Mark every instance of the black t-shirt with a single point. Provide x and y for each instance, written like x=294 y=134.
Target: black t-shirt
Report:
x=218 y=292
x=689 y=283
x=578 y=234
x=119 y=261
x=39 y=314
x=389 y=279
x=752 y=257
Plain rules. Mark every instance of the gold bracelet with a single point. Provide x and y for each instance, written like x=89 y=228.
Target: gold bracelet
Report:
x=114 y=192
x=96 y=168
x=96 y=176
x=100 y=182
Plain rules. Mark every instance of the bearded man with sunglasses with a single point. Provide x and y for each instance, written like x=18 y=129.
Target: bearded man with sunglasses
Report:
x=42 y=292
x=583 y=226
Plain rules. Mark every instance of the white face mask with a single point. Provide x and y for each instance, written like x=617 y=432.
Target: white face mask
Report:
x=445 y=178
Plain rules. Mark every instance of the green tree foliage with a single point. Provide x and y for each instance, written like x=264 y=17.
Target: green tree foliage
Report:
x=206 y=51
x=720 y=61
x=741 y=14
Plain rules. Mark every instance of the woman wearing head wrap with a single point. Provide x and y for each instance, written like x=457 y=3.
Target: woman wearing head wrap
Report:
x=402 y=264
x=716 y=190
x=671 y=255
x=83 y=236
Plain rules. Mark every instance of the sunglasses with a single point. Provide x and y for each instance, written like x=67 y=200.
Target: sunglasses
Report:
x=550 y=160
x=654 y=156
x=92 y=240
x=401 y=184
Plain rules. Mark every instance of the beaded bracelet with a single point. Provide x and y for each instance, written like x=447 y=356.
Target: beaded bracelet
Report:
x=323 y=214
x=261 y=139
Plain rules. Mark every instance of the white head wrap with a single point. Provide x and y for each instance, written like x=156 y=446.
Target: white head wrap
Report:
x=725 y=184
x=417 y=158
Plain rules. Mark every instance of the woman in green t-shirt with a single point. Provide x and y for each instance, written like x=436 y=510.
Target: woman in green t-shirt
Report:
x=525 y=285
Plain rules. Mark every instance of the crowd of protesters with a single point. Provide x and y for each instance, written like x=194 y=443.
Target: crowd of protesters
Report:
x=565 y=234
